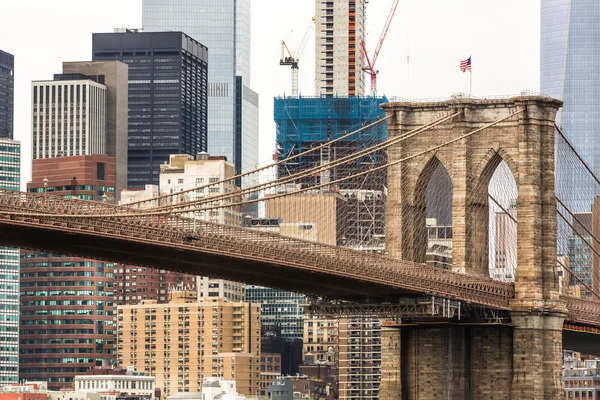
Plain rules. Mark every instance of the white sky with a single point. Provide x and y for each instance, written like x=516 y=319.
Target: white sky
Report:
x=502 y=36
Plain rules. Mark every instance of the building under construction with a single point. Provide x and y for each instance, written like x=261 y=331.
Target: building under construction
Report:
x=308 y=122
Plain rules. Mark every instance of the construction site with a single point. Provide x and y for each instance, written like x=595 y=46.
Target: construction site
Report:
x=339 y=106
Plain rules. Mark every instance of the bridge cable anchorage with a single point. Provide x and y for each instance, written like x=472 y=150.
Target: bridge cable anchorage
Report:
x=314 y=170
x=277 y=163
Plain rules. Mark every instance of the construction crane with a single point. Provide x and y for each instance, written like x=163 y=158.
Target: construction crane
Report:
x=288 y=59
x=370 y=68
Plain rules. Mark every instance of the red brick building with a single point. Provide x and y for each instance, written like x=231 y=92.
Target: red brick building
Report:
x=83 y=177
x=66 y=303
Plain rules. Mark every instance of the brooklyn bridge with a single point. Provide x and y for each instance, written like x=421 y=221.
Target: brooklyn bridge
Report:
x=456 y=328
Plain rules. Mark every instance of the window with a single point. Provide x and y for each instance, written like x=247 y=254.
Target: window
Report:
x=180 y=180
x=100 y=168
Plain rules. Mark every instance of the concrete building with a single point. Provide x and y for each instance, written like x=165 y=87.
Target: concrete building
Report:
x=10 y=172
x=184 y=340
x=167 y=96
x=134 y=195
x=224 y=27
x=68 y=116
x=580 y=251
x=439 y=244
x=321 y=337
x=121 y=383
x=359 y=358
x=7 y=94
x=505 y=245
x=66 y=323
x=339 y=59
x=113 y=75
x=582 y=382
x=184 y=172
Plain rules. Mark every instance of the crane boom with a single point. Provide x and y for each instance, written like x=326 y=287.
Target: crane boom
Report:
x=385 y=30
x=293 y=61
x=370 y=68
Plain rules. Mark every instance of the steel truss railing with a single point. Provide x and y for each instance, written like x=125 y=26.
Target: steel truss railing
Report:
x=37 y=210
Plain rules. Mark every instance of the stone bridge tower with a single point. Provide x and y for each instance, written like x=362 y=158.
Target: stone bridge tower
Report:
x=519 y=362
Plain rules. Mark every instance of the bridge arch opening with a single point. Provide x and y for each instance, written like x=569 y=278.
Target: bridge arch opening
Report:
x=433 y=196
x=493 y=214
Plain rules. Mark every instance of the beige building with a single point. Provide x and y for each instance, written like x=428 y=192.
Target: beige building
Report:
x=320 y=340
x=339 y=31
x=310 y=216
x=182 y=173
x=134 y=195
x=185 y=340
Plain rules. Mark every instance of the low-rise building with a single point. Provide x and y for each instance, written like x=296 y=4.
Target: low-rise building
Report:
x=582 y=383
x=128 y=382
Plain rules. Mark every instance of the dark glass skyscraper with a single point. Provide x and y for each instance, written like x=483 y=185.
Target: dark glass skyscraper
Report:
x=7 y=90
x=168 y=78
x=570 y=71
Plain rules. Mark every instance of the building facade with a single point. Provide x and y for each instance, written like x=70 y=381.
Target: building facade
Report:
x=223 y=26
x=359 y=355
x=10 y=172
x=184 y=340
x=505 y=245
x=7 y=94
x=168 y=74
x=66 y=324
x=117 y=384
x=569 y=40
x=114 y=75
x=184 y=172
x=339 y=59
x=68 y=117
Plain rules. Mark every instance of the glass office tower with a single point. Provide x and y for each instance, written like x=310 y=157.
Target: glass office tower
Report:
x=7 y=94
x=570 y=71
x=223 y=26
x=167 y=97
x=10 y=156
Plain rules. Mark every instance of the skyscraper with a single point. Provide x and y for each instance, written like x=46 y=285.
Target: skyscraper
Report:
x=339 y=31
x=114 y=75
x=569 y=72
x=10 y=156
x=223 y=26
x=7 y=90
x=67 y=302
x=69 y=117
x=167 y=96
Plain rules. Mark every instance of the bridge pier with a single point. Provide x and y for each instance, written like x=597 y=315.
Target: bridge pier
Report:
x=447 y=362
x=537 y=357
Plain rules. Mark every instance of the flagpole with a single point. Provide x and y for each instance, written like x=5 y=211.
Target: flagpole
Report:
x=471 y=77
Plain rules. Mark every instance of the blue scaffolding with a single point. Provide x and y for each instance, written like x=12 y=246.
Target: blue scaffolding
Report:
x=303 y=121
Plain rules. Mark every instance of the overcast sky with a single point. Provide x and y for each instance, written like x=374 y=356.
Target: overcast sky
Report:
x=502 y=36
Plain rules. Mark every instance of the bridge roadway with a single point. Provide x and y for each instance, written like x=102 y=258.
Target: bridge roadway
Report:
x=120 y=234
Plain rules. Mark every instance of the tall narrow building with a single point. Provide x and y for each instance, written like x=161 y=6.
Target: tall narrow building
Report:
x=569 y=71
x=339 y=60
x=223 y=26
x=67 y=302
x=10 y=156
x=167 y=96
x=7 y=94
x=114 y=75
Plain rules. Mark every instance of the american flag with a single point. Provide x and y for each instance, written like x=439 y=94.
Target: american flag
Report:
x=465 y=65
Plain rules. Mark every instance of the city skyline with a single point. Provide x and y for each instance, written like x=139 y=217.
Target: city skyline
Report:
x=434 y=54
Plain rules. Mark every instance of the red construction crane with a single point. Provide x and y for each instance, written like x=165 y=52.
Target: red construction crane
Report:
x=370 y=69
